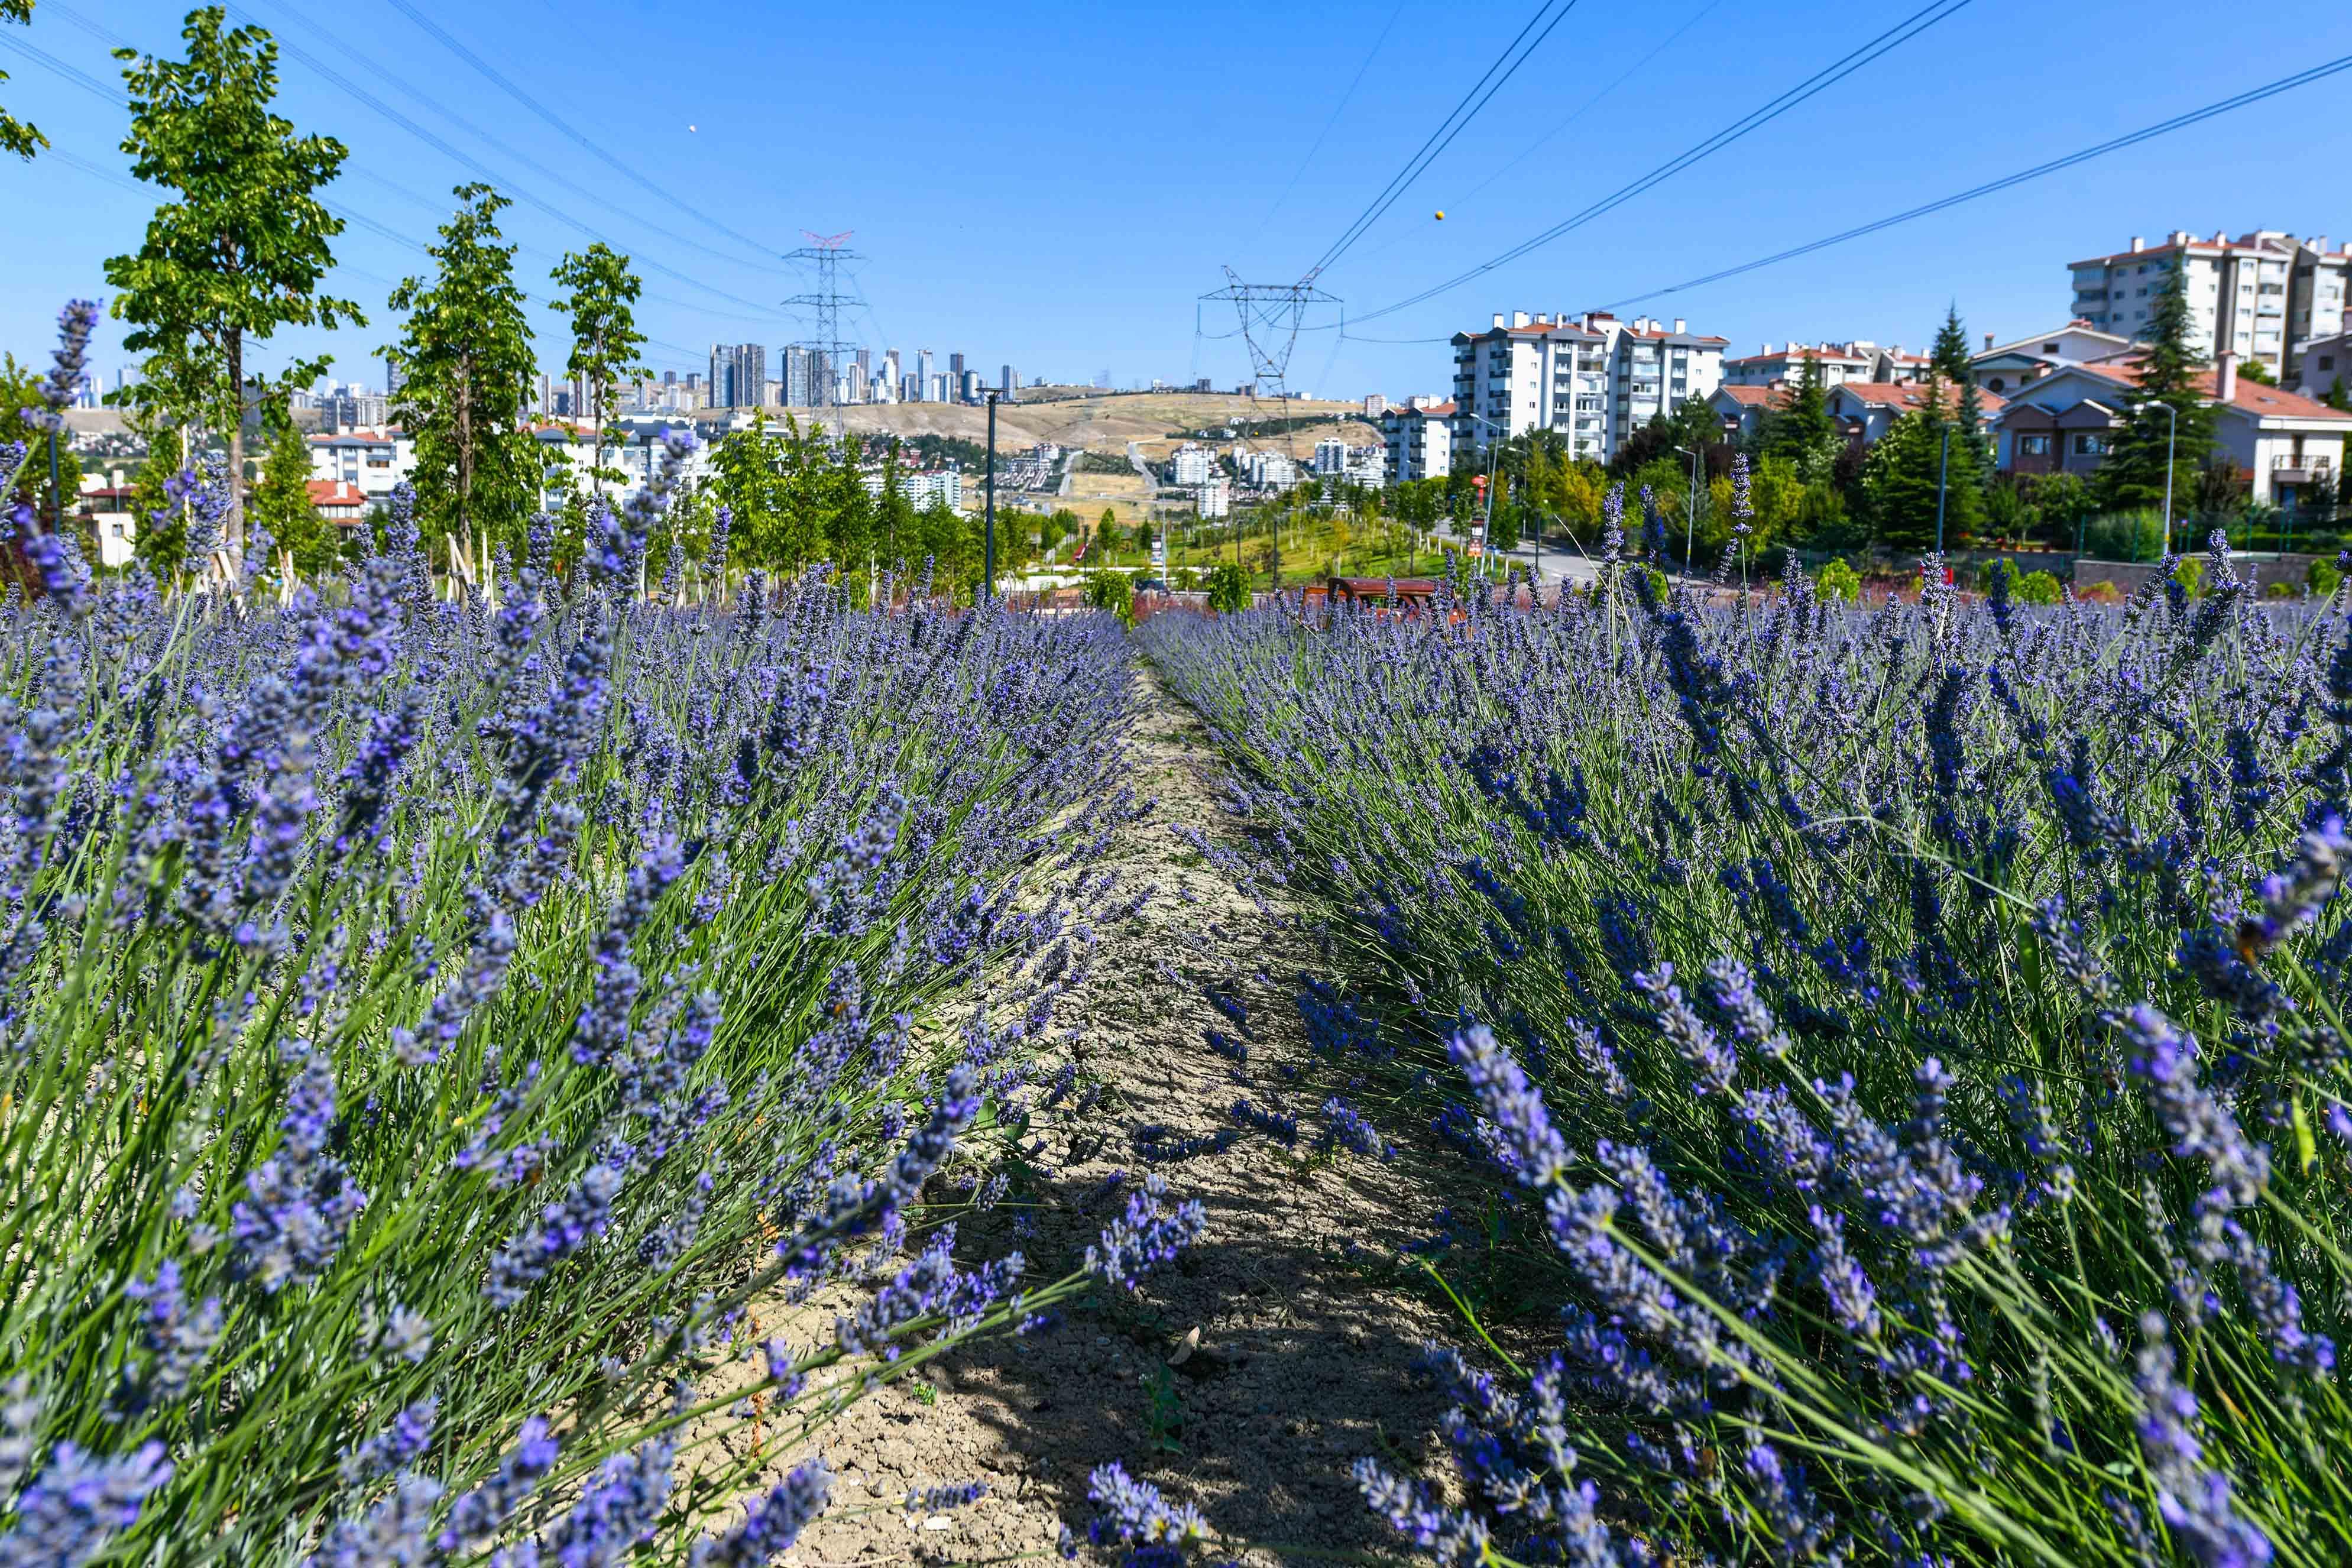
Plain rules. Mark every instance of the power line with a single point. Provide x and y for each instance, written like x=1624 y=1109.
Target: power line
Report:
x=1989 y=187
x=1748 y=124
x=517 y=93
x=2083 y=156
x=1631 y=71
x=1337 y=110
x=1448 y=129
x=414 y=129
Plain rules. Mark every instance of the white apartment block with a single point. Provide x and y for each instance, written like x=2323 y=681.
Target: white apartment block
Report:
x=1420 y=439
x=1860 y=360
x=1269 y=470
x=1214 y=499
x=1330 y=456
x=1192 y=466
x=373 y=461
x=1593 y=378
x=2259 y=295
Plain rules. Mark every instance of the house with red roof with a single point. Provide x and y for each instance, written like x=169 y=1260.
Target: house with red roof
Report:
x=2280 y=440
x=338 y=500
x=1864 y=411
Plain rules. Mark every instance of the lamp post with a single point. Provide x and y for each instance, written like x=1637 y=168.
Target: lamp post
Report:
x=2171 y=434
x=988 y=525
x=1943 y=471
x=1690 y=510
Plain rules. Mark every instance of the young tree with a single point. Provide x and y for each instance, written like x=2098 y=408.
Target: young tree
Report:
x=15 y=136
x=463 y=359
x=281 y=503
x=243 y=250
x=2163 y=412
x=605 y=341
x=1904 y=473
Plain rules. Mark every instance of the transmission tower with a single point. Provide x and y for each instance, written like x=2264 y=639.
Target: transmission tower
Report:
x=1271 y=315
x=825 y=253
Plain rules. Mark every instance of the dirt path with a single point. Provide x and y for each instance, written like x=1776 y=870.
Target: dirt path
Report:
x=1301 y=1362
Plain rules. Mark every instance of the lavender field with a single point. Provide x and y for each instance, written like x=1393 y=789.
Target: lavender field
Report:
x=525 y=1071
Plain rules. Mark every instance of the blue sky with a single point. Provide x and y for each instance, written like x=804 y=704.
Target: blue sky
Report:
x=1054 y=184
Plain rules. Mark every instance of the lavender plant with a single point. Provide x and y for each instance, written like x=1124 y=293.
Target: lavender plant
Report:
x=1904 y=1048
x=431 y=1025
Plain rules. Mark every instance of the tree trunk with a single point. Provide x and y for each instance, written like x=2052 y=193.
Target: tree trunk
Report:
x=462 y=537
x=232 y=539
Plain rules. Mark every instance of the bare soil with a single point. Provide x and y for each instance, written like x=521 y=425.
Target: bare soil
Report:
x=1292 y=1359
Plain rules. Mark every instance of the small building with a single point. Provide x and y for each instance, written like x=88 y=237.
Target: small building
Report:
x=2323 y=364
x=374 y=460
x=113 y=521
x=339 y=501
x=1742 y=407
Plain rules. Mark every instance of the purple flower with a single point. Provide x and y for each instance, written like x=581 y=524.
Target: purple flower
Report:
x=1136 y=1514
x=1513 y=1105
x=2194 y=1499
x=561 y=1229
x=771 y=1523
x=77 y=1502
x=1147 y=1235
x=617 y=1512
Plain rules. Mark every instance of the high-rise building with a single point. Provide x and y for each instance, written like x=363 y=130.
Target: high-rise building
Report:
x=739 y=374
x=967 y=384
x=392 y=379
x=1006 y=381
x=1330 y=456
x=1418 y=440
x=2259 y=295
x=955 y=369
x=1593 y=377
x=796 y=377
x=937 y=390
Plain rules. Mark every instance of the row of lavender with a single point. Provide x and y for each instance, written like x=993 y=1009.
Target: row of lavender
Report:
x=1905 y=1049
x=430 y=1026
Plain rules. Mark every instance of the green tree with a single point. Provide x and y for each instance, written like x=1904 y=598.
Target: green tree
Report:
x=163 y=541
x=2134 y=472
x=1948 y=356
x=2337 y=397
x=242 y=251
x=281 y=503
x=20 y=389
x=15 y=136
x=1801 y=430
x=1503 y=531
x=463 y=359
x=1229 y=587
x=2259 y=373
x=605 y=341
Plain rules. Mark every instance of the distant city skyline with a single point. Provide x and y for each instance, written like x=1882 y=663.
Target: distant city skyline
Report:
x=1079 y=277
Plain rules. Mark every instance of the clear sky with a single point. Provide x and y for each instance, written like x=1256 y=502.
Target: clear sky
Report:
x=1053 y=185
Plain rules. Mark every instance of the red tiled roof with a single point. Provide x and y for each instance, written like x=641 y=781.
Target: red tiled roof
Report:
x=2252 y=396
x=1434 y=411
x=1757 y=396
x=376 y=438
x=1908 y=395
x=1797 y=352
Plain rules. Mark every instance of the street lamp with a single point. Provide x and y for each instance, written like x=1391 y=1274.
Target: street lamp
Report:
x=1690 y=512
x=2171 y=432
x=988 y=526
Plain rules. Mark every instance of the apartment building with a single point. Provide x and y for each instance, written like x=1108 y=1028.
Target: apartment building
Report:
x=2259 y=295
x=371 y=461
x=1594 y=378
x=1330 y=456
x=1420 y=437
x=1859 y=360
x=2004 y=367
x=2323 y=364
x=1192 y=466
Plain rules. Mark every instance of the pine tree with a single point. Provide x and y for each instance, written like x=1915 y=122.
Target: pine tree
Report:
x=1802 y=431
x=2133 y=474
x=1948 y=357
x=1903 y=474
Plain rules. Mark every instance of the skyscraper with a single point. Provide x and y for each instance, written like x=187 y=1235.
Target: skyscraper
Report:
x=1006 y=381
x=796 y=376
x=955 y=370
x=923 y=377
x=739 y=374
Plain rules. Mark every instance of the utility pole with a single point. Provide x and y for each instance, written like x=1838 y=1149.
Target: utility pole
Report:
x=1943 y=467
x=988 y=527
x=1690 y=512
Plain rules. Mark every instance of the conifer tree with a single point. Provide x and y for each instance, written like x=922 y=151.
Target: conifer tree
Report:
x=1803 y=432
x=2166 y=391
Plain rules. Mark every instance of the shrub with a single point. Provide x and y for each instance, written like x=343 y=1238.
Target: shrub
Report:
x=1112 y=591
x=2323 y=577
x=432 y=1027
x=2039 y=588
x=2282 y=590
x=1229 y=587
x=2103 y=591
x=2190 y=572
x=1902 y=1087
x=1838 y=580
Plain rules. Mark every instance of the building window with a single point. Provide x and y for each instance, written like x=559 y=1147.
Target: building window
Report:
x=2088 y=446
x=2033 y=446
x=2327 y=361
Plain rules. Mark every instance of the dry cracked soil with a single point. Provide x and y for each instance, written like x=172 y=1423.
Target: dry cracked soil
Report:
x=1247 y=1380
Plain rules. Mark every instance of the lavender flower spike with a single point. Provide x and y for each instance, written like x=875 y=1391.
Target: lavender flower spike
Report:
x=2194 y=1499
x=1512 y=1104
